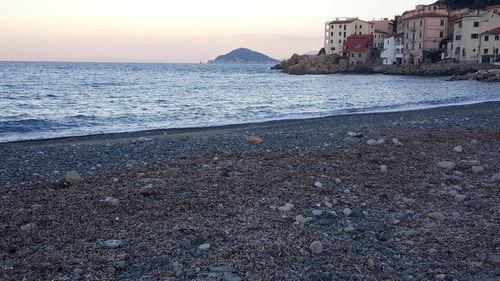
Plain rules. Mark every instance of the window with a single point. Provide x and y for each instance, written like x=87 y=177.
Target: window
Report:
x=340 y=41
x=359 y=55
x=340 y=26
x=420 y=34
x=460 y=24
x=360 y=33
x=485 y=51
x=458 y=37
x=360 y=26
x=419 y=46
x=421 y=22
x=441 y=34
x=340 y=33
x=442 y=22
x=345 y=35
x=497 y=37
x=331 y=26
x=331 y=41
x=474 y=36
x=476 y=24
x=486 y=38
x=345 y=27
x=331 y=34
x=352 y=55
x=333 y=48
x=473 y=50
x=463 y=52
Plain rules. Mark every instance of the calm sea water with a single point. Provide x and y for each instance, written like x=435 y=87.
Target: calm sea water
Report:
x=43 y=100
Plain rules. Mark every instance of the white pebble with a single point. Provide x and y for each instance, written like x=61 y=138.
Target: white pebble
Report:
x=371 y=142
x=477 y=169
x=396 y=141
x=446 y=165
x=383 y=168
x=458 y=149
x=316 y=247
x=328 y=204
x=318 y=184
x=205 y=246
x=112 y=200
x=317 y=212
x=460 y=197
x=286 y=208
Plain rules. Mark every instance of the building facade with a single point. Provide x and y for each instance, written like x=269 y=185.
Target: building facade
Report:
x=467 y=37
x=490 y=46
x=393 y=50
x=424 y=29
x=337 y=32
x=378 y=39
x=357 y=49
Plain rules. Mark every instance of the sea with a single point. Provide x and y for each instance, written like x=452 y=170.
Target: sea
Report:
x=40 y=100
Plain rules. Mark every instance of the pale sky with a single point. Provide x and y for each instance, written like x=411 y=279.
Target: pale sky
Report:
x=172 y=31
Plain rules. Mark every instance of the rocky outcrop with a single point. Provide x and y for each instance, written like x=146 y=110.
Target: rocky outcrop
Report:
x=301 y=65
x=487 y=75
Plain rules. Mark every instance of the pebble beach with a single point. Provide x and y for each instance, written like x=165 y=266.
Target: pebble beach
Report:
x=410 y=195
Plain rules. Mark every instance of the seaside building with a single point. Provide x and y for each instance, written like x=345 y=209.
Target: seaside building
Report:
x=467 y=37
x=378 y=38
x=393 y=50
x=357 y=49
x=384 y=25
x=337 y=32
x=425 y=27
x=490 y=45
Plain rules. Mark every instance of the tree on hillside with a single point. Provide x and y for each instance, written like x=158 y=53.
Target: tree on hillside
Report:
x=473 y=4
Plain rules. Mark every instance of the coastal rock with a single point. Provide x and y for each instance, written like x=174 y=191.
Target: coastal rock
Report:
x=73 y=177
x=316 y=247
x=254 y=139
x=447 y=165
x=485 y=75
x=477 y=169
x=301 y=65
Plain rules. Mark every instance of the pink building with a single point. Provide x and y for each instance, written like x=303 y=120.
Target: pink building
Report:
x=424 y=30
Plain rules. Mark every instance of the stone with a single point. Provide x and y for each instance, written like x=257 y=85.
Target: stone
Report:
x=409 y=200
x=77 y=271
x=229 y=276
x=112 y=243
x=317 y=213
x=205 y=246
x=477 y=169
x=370 y=263
x=221 y=269
x=328 y=205
x=186 y=245
x=318 y=184
x=112 y=201
x=496 y=178
x=254 y=139
x=396 y=141
x=383 y=168
x=349 y=228
x=380 y=142
x=288 y=207
x=316 y=247
x=371 y=142
x=355 y=135
x=347 y=211
x=455 y=214
x=474 y=141
x=458 y=149
x=436 y=216
x=352 y=140
x=110 y=270
x=29 y=226
x=73 y=177
x=460 y=197
x=302 y=220
x=447 y=165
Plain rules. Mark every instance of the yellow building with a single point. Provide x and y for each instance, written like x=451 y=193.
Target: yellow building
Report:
x=337 y=31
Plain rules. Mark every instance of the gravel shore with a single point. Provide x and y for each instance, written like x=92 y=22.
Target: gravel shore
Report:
x=408 y=195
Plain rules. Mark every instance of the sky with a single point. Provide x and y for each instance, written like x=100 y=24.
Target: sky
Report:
x=172 y=31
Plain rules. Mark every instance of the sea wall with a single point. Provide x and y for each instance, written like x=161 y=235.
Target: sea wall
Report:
x=437 y=69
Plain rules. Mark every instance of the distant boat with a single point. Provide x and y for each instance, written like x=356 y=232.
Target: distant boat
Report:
x=243 y=55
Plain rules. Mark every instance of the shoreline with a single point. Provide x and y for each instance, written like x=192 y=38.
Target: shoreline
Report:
x=148 y=132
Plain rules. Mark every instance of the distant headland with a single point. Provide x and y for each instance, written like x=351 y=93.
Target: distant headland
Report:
x=243 y=55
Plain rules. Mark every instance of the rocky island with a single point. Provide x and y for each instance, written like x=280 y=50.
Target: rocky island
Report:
x=243 y=55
